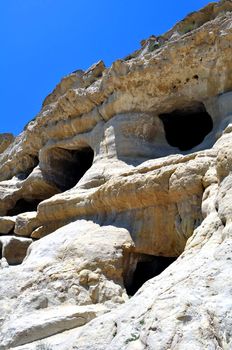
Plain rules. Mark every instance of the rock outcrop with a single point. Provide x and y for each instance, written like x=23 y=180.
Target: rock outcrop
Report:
x=5 y=140
x=118 y=197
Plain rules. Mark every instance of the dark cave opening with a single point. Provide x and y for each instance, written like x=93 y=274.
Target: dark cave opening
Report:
x=143 y=268
x=187 y=128
x=66 y=167
x=0 y=250
x=24 y=174
x=22 y=206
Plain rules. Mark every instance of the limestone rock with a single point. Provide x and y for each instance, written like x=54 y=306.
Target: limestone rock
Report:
x=73 y=80
x=124 y=178
x=44 y=323
x=23 y=192
x=71 y=267
x=93 y=73
x=3 y=263
x=188 y=306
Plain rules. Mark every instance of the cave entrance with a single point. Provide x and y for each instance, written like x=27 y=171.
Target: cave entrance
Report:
x=23 y=175
x=143 y=267
x=65 y=168
x=188 y=127
x=23 y=206
x=0 y=250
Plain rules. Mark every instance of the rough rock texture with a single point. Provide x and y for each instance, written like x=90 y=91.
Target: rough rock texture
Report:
x=79 y=264
x=7 y=224
x=14 y=249
x=5 y=140
x=126 y=170
x=25 y=223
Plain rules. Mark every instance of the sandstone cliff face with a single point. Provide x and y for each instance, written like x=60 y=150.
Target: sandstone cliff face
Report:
x=124 y=174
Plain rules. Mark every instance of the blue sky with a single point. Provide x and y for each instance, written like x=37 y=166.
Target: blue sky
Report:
x=43 y=40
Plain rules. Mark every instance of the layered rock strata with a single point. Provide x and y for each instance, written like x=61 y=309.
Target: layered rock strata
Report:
x=125 y=171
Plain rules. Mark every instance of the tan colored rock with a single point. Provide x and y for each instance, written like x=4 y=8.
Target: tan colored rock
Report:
x=94 y=73
x=160 y=81
x=39 y=232
x=196 y=19
x=190 y=298
x=73 y=80
x=5 y=140
x=128 y=168
x=26 y=223
x=7 y=224
x=23 y=192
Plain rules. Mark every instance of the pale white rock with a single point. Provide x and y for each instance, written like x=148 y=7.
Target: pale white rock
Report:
x=68 y=267
x=3 y=263
x=128 y=168
x=188 y=306
x=46 y=322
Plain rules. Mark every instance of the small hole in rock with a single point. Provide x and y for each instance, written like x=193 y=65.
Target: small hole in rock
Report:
x=187 y=128
x=144 y=267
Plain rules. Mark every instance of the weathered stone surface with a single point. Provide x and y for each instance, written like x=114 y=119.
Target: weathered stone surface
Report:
x=39 y=232
x=43 y=323
x=14 y=249
x=24 y=191
x=166 y=79
x=5 y=140
x=26 y=223
x=128 y=168
x=188 y=306
x=3 y=263
x=7 y=224
x=75 y=265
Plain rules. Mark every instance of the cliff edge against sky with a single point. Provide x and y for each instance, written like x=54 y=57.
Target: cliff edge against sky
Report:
x=115 y=226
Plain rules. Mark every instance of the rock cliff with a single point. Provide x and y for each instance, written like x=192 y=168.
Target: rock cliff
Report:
x=115 y=202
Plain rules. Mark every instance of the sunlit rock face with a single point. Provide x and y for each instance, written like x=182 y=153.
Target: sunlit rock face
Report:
x=5 y=140
x=116 y=200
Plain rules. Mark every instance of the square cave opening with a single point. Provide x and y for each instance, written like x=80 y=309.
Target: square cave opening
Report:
x=65 y=168
x=186 y=128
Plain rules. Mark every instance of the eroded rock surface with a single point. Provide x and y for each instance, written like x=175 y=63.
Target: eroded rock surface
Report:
x=7 y=224
x=80 y=264
x=5 y=141
x=125 y=171
x=14 y=249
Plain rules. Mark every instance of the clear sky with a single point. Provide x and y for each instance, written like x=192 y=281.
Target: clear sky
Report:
x=43 y=40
